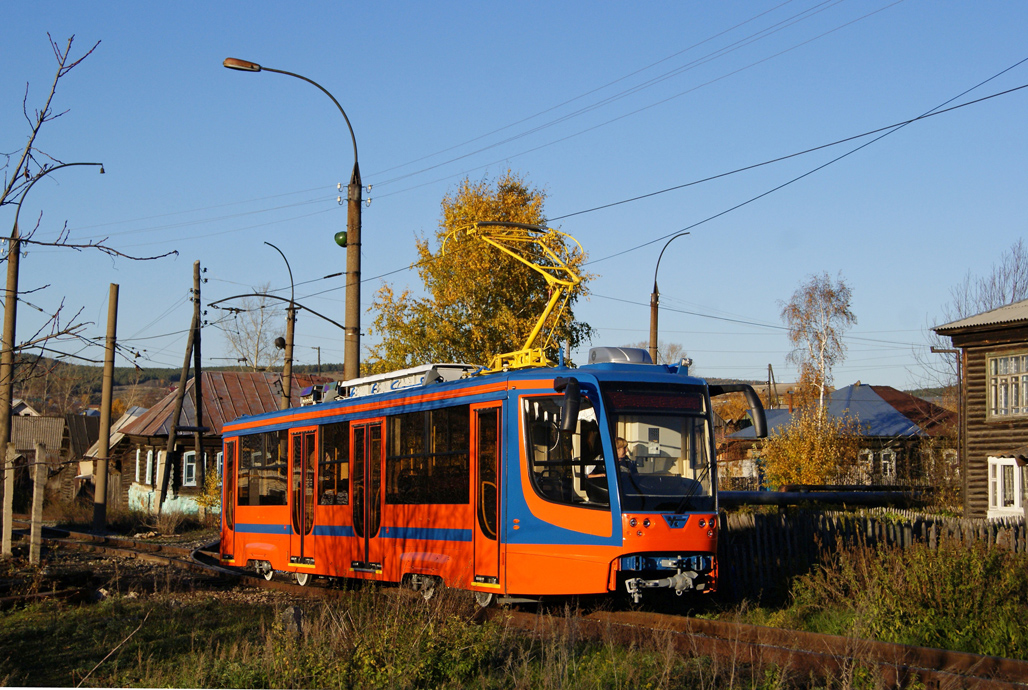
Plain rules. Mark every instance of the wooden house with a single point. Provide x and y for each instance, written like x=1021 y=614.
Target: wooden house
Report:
x=65 y=438
x=895 y=428
x=224 y=396
x=994 y=406
x=120 y=458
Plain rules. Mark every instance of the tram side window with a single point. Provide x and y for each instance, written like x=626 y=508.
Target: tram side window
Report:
x=565 y=468
x=427 y=457
x=262 y=469
x=334 y=469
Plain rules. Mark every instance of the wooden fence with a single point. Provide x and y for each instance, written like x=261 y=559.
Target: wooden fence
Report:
x=759 y=553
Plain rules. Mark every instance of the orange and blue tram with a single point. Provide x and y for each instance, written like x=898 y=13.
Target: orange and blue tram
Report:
x=513 y=485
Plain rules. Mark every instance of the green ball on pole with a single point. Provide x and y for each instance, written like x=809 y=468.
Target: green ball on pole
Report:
x=341 y=238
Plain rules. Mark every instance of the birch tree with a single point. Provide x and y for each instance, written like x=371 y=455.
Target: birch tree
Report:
x=252 y=330
x=817 y=316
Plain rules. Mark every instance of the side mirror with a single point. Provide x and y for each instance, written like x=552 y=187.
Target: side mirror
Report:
x=756 y=407
x=572 y=402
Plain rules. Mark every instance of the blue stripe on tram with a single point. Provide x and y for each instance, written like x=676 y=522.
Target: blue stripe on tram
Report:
x=263 y=529
x=333 y=530
x=426 y=533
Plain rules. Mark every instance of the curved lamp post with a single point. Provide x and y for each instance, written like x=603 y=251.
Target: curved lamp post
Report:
x=287 y=365
x=655 y=300
x=351 y=355
x=7 y=353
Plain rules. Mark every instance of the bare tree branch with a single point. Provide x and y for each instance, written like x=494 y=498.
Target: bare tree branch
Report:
x=1006 y=283
x=18 y=178
x=99 y=246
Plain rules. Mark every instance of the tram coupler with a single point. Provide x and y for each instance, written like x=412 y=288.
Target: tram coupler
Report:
x=680 y=582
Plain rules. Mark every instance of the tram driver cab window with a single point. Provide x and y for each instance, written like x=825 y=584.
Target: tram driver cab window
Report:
x=565 y=467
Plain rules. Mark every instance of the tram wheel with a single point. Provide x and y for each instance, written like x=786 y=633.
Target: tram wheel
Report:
x=268 y=574
x=426 y=585
x=484 y=599
x=301 y=578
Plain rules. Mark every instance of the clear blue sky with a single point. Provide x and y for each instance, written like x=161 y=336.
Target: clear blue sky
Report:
x=594 y=102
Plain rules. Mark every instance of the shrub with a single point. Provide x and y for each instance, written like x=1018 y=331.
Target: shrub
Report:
x=814 y=448
x=965 y=598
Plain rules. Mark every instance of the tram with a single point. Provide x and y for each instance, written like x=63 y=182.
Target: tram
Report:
x=518 y=484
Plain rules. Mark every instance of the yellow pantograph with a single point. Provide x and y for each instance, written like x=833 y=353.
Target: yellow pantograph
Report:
x=519 y=240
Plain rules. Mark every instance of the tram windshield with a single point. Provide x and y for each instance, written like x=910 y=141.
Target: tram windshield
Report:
x=662 y=438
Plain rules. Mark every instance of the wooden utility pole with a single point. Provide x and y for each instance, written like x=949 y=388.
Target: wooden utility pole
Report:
x=103 y=453
x=201 y=470
x=7 y=381
x=173 y=426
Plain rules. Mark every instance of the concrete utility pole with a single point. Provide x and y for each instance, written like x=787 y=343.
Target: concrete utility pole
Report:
x=287 y=365
x=351 y=238
x=173 y=425
x=38 y=494
x=655 y=300
x=103 y=454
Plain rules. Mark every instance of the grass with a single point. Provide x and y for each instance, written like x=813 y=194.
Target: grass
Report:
x=234 y=639
x=964 y=598
x=78 y=515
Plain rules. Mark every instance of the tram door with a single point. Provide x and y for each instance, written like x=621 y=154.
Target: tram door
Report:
x=367 y=447
x=303 y=459
x=228 y=501
x=486 y=443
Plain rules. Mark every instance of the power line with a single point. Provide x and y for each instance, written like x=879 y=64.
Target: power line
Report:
x=896 y=125
x=894 y=128
x=635 y=89
x=578 y=97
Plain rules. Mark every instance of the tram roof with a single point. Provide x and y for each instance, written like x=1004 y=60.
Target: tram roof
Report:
x=434 y=391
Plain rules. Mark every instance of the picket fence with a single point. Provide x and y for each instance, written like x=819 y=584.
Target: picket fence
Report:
x=759 y=553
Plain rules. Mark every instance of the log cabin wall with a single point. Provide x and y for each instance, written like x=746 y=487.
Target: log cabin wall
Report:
x=986 y=435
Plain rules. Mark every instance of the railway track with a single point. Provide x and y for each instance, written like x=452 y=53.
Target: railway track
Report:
x=798 y=652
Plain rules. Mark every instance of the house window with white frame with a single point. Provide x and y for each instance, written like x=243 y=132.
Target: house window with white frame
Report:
x=149 y=468
x=139 y=460
x=888 y=465
x=1005 y=490
x=1008 y=385
x=189 y=468
x=880 y=464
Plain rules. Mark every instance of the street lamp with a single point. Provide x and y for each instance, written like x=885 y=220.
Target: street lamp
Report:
x=351 y=353
x=7 y=352
x=287 y=366
x=655 y=300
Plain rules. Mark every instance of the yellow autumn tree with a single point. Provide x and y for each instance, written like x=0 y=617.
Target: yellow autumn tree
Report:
x=479 y=301
x=815 y=448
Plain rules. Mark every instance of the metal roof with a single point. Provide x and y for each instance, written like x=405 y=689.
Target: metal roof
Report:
x=25 y=431
x=116 y=430
x=226 y=396
x=1009 y=313
x=881 y=411
x=80 y=430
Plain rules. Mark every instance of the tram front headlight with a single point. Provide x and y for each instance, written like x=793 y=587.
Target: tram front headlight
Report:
x=646 y=522
x=703 y=523
x=633 y=522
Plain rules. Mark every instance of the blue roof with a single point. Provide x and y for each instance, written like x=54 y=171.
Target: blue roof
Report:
x=876 y=416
